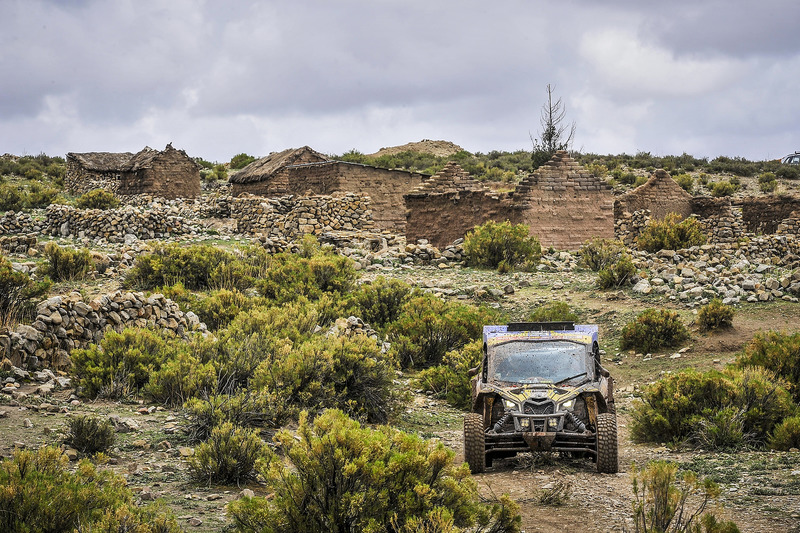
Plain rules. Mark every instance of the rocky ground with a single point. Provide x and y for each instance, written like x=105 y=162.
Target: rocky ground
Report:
x=761 y=490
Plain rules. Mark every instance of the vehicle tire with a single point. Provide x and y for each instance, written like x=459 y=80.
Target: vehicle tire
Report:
x=474 y=443
x=607 y=451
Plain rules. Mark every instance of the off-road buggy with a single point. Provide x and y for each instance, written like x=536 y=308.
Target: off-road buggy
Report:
x=539 y=388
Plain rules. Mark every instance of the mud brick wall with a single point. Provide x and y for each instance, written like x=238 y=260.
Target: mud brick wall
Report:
x=169 y=175
x=661 y=195
x=765 y=214
x=443 y=218
x=567 y=219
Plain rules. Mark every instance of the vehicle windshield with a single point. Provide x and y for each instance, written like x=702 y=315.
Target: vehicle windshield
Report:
x=524 y=361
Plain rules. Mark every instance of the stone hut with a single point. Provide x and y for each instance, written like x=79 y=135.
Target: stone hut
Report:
x=167 y=174
x=267 y=177
x=449 y=204
x=562 y=203
x=660 y=194
x=304 y=172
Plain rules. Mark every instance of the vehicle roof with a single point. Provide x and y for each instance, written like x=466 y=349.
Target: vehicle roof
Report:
x=583 y=333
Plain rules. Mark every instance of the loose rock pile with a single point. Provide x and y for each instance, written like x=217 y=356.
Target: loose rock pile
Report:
x=65 y=323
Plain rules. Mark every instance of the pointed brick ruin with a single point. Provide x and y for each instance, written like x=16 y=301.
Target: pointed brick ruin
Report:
x=562 y=202
x=660 y=194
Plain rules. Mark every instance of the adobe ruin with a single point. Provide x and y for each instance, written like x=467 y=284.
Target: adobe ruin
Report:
x=167 y=174
x=562 y=203
x=304 y=172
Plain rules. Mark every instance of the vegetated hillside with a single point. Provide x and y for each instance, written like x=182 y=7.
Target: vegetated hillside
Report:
x=425 y=146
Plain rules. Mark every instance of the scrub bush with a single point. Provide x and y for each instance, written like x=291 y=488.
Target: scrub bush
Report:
x=715 y=315
x=767 y=182
x=228 y=456
x=89 y=435
x=64 y=264
x=598 y=254
x=786 y=435
x=18 y=292
x=713 y=409
x=662 y=498
x=686 y=182
x=788 y=172
x=11 y=199
x=617 y=274
x=291 y=275
x=553 y=312
x=670 y=233
x=380 y=303
x=451 y=379
x=339 y=476
x=193 y=266
x=39 y=493
x=97 y=199
x=778 y=352
x=219 y=308
x=501 y=246
x=652 y=330
x=722 y=188
x=429 y=327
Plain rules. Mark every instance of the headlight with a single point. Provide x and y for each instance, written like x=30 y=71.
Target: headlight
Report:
x=568 y=405
x=509 y=404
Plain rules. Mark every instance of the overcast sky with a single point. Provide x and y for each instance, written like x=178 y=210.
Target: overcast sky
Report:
x=217 y=78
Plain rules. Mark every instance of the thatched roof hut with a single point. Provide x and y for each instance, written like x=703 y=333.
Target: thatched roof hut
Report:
x=267 y=167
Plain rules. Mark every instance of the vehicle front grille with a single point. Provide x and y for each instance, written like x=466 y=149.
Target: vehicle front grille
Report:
x=539 y=407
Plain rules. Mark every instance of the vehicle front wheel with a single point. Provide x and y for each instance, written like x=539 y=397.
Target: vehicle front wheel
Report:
x=607 y=451
x=474 y=443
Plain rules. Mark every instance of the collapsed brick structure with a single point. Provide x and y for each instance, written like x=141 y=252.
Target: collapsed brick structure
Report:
x=562 y=203
x=169 y=173
x=661 y=195
x=305 y=172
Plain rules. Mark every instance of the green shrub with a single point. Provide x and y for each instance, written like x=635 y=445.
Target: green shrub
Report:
x=501 y=246
x=11 y=199
x=372 y=480
x=618 y=274
x=97 y=199
x=245 y=408
x=788 y=172
x=671 y=233
x=219 y=308
x=786 y=435
x=628 y=178
x=349 y=373
x=553 y=312
x=662 y=498
x=778 y=352
x=451 y=380
x=686 y=182
x=713 y=409
x=767 y=182
x=429 y=327
x=228 y=456
x=193 y=266
x=290 y=276
x=722 y=188
x=652 y=330
x=380 y=302
x=124 y=363
x=240 y=161
x=715 y=315
x=39 y=493
x=89 y=434
x=18 y=293
x=64 y=264
x=598 y=254
x=182 y=375
x=38 y=196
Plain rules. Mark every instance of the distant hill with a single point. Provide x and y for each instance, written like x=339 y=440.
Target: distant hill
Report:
x=426 y=146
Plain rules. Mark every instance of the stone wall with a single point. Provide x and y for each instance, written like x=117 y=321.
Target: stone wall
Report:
x=790 y=225
x=660 y=195
x=17 y=244
x=291 y=217
x=763 y=215
x=79 y=180
x=64 y=323
x=628 y=226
